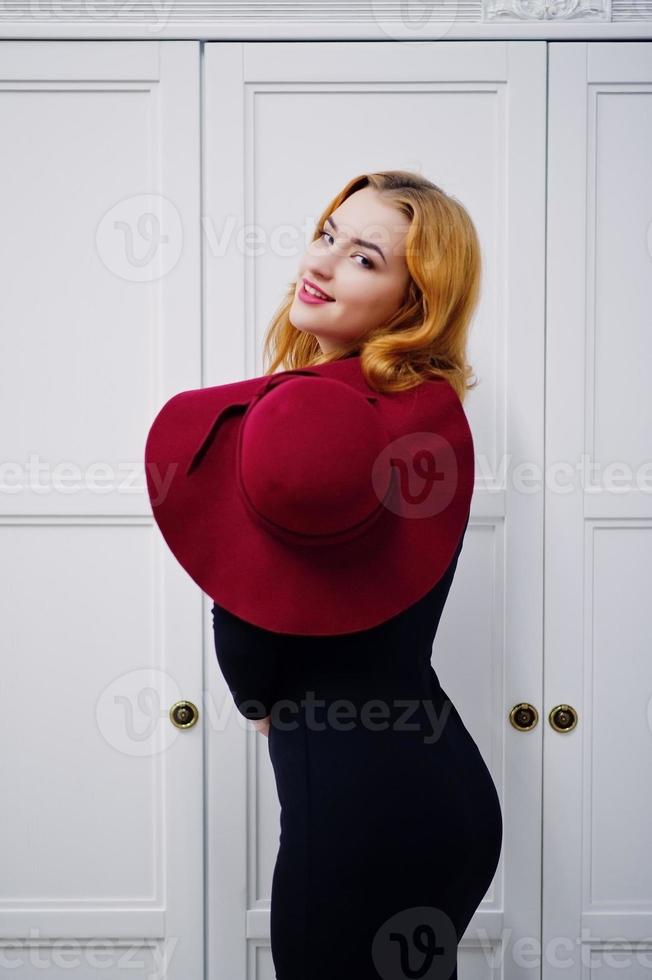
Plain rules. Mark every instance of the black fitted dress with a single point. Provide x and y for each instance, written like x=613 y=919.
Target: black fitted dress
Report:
x=391 y=827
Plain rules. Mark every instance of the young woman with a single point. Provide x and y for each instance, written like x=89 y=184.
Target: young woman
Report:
x=391 y=827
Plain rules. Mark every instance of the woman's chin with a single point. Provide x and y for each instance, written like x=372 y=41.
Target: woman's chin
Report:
x=301 y=320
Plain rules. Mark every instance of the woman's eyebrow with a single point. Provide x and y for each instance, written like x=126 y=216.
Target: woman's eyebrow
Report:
x=359 y=241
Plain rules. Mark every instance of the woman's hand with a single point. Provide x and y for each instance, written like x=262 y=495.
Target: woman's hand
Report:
x=262 y=724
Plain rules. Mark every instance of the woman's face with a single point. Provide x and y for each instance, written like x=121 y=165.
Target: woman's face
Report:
x=367 y=284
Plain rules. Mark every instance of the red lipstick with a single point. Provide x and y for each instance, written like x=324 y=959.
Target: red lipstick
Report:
x=307 y=297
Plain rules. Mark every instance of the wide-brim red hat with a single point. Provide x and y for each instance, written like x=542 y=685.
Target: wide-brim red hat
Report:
x=305 y=501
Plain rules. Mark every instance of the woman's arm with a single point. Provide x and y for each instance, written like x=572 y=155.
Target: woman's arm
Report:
x=248 y=658
x=263 y=725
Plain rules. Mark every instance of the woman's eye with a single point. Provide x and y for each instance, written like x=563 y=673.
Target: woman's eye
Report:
x=358 y=254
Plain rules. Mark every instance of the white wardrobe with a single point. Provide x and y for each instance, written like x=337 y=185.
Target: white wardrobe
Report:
x=156 y=197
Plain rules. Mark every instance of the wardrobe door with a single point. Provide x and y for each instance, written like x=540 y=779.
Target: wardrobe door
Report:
x=597 y=894
x=286 y=125
x=101 y=822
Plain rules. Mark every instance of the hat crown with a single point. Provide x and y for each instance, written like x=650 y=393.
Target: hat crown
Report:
x=307 y=456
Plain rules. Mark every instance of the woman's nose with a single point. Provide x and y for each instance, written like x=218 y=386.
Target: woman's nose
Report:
x=319 y=269
x=321 y=262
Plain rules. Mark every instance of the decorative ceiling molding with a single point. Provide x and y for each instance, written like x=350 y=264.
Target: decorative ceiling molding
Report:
x=326 y=20
x=550 y=10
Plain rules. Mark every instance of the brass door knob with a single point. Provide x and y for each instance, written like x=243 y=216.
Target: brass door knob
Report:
x=184 y=714
x=524 y=716
x=563 y=717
